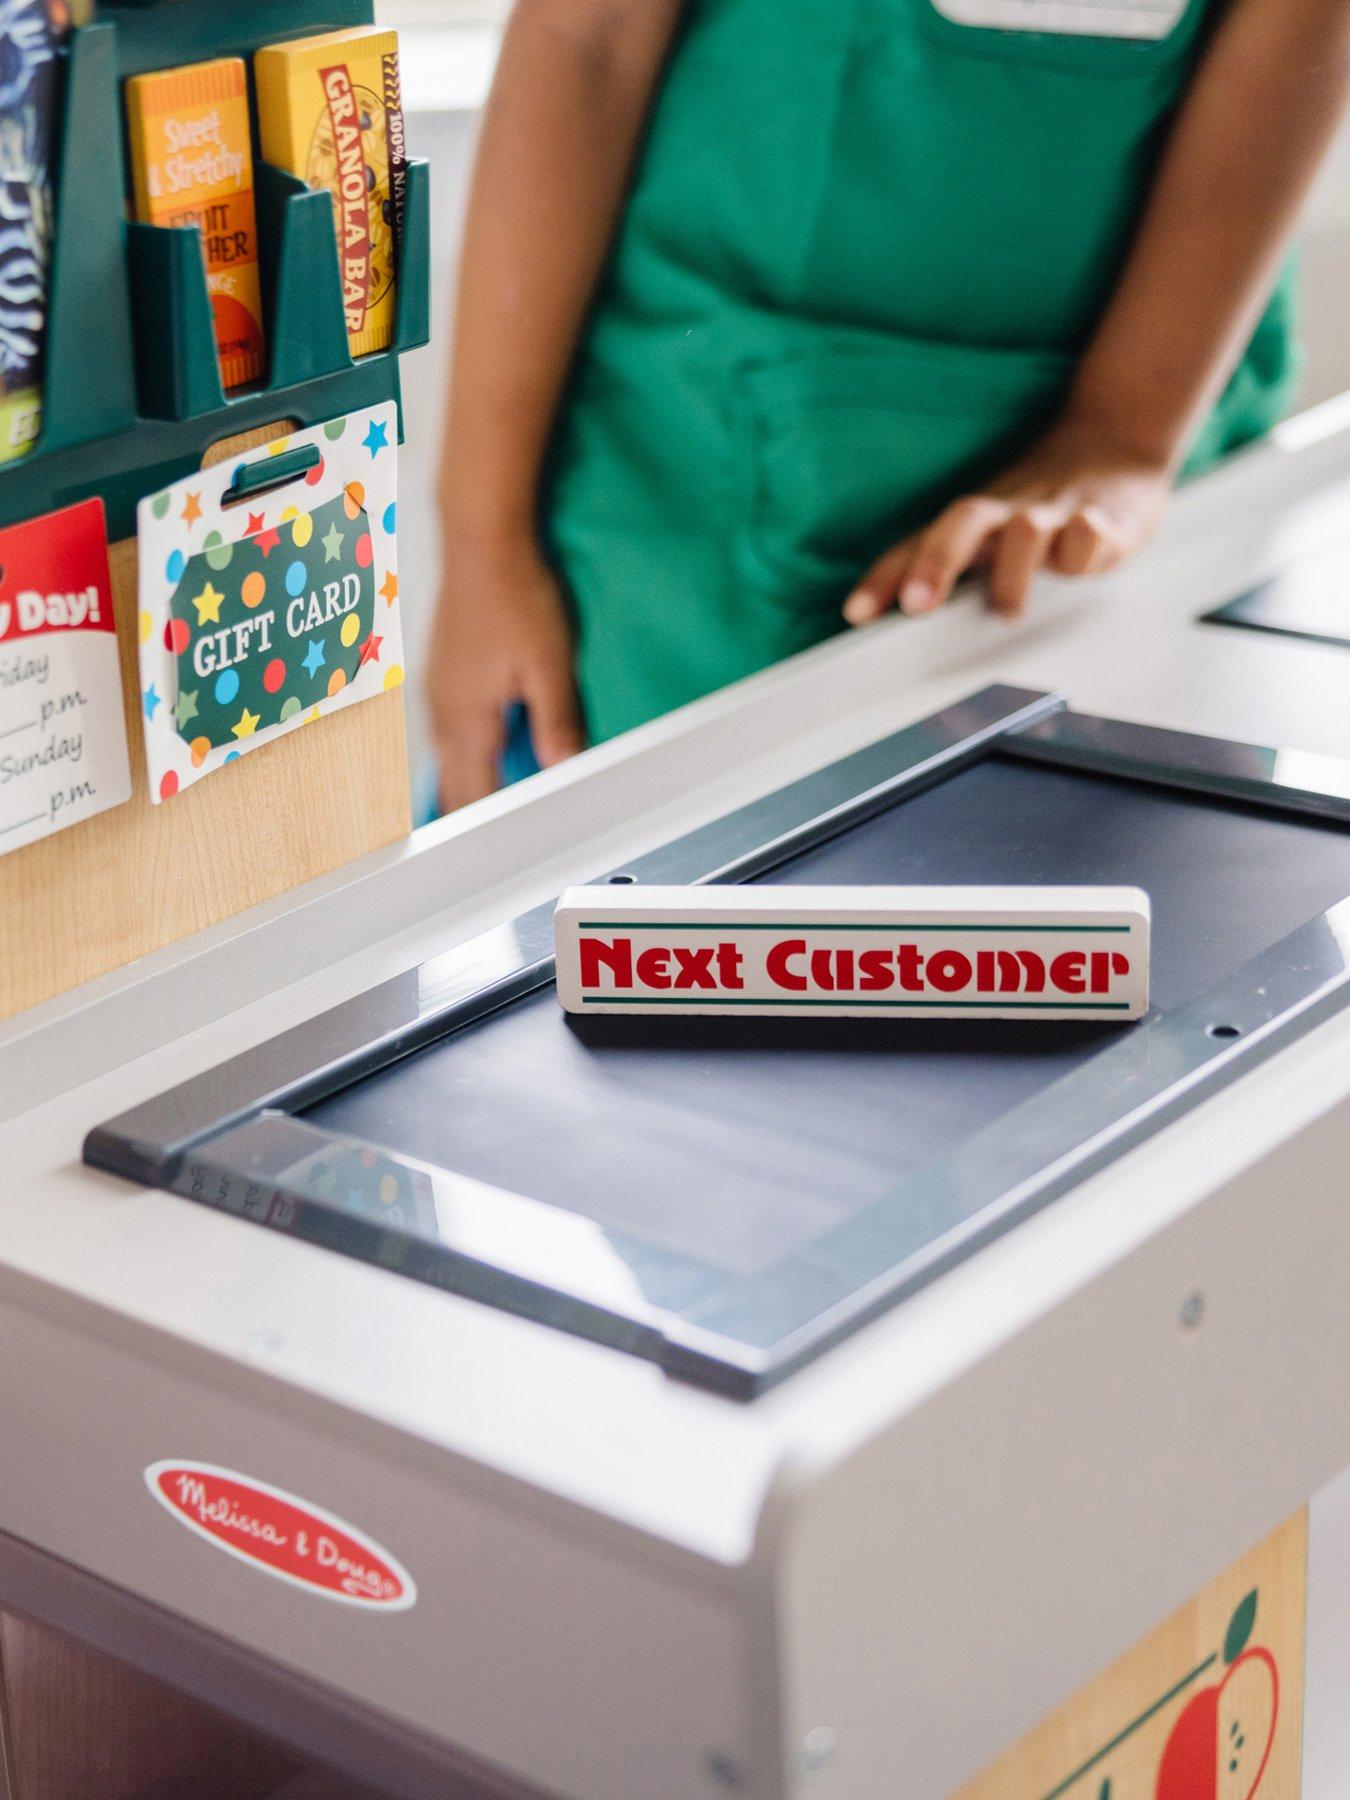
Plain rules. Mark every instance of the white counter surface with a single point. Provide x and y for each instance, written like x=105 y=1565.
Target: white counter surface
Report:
x=525 y=1417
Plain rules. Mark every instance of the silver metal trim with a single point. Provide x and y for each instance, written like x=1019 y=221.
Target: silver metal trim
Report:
x=1289 y=780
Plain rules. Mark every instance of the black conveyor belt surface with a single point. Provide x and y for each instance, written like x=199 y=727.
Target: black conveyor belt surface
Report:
x=734 y=1142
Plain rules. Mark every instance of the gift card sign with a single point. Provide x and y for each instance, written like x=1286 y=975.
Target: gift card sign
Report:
x=997 y=953
x=280 y=627
x=63 y=743
x=262 y=613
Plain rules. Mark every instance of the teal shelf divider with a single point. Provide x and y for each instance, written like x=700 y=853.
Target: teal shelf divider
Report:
x=412 y=301
x=178 y=376
x=306 y=329
x=132 y=392
x=88 y=388
x=154 y=34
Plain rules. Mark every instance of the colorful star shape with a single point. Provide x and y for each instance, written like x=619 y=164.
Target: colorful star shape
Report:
x=332 y=544
x=247 y=724
x=185 y=709
x=208 y=604
x=254 y=526
x=370 y=650
x=314 y=658
x=389 y=588
x=150 y=701
x=267 y=541
x=192 y=509
x=376 y=438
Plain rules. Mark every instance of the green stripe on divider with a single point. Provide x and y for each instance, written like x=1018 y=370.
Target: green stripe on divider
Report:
x=800 y=925
x=893 y=1005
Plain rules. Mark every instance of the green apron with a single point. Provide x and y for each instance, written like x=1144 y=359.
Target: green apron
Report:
x=865 y=245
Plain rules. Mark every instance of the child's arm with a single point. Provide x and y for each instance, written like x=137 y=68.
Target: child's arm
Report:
x=572 y=92
x=1261 y=109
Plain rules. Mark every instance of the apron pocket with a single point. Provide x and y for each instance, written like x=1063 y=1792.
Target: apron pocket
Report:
x=1088 y=36
x=1143 y=20
x=843 y=451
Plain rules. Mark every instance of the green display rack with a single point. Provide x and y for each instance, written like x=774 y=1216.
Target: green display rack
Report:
x=132 y=397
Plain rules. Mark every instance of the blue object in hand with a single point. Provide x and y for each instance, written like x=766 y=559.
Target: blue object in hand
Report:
x=516 y=762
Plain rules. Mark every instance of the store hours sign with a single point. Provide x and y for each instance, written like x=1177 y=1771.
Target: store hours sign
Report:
x=63 y=744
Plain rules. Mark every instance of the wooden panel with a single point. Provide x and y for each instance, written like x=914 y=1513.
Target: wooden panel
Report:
x=82 y=1727
x=136 y=877
x=78 y=1725
x=1209 y=1707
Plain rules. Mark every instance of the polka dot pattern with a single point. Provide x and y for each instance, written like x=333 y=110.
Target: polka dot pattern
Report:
x=219 y=555
x=273 y=610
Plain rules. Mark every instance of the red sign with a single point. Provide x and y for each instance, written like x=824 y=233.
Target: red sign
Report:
x=282 y=1535
x=913 y=952
x=54 y=574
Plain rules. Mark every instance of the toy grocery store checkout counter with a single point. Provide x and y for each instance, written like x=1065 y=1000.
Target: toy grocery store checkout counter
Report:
x=676 y=1407
x=485 y=1400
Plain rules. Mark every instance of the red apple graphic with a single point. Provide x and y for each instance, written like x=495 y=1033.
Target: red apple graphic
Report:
x=1221 y=1742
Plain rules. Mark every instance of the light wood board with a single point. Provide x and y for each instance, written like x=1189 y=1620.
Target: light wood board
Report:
x=82 y=1727
x=1180 y=1688
x=132 y=879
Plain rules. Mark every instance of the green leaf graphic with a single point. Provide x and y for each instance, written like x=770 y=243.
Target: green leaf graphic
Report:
x=1240 y=1628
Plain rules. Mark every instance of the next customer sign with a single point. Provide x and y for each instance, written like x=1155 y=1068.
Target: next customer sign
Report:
x=921 y=952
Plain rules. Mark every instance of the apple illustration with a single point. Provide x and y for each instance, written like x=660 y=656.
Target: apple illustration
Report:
x=1221 y=1742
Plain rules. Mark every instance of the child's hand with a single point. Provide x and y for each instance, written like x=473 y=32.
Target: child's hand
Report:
x=1076 y=504
x=500 y=635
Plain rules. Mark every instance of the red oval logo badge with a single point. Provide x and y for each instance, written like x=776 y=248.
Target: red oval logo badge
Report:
x=281 y=1534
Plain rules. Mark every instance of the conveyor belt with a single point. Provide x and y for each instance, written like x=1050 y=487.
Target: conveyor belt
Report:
x=729 y=1197
x=736 y=1143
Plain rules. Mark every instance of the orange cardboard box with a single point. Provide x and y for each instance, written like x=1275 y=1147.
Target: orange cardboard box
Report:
x=329 y=111
x=192 y=164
